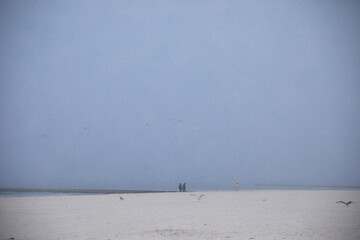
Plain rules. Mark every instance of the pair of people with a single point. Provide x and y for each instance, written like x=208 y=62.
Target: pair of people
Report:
x=182 y=188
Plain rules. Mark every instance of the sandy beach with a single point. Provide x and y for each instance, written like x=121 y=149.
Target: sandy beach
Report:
x=266 y=214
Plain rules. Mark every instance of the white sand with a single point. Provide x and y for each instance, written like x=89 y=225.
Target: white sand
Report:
x=218 y=215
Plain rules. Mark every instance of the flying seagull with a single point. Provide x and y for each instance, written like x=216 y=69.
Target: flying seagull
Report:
x=148 y=125
x=177 y=120
x=346 y=203
x=198 y=197
x=44 y=136
x=86 y=128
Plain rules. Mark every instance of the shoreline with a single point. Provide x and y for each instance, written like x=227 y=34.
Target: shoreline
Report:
x=25 y=192
x=48 y=192
x=119 y=191
x=304 y=187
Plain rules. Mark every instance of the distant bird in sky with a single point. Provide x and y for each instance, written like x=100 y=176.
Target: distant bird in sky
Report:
x=346 y=203
x=177 y=120
x=86 y=128
x=198 y=197
x=44 y=136
x=148 y=125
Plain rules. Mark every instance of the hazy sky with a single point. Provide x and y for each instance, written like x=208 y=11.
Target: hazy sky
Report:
x=267 y=92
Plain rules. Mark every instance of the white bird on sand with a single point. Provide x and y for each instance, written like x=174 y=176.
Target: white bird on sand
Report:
x=121 y=198
x=346 y=203
x=198 y=197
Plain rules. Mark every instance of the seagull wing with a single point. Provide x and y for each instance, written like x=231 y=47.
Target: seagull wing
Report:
x=341 y=202
x=202 y=195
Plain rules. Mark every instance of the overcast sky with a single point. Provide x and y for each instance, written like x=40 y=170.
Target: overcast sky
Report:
x=267 y=92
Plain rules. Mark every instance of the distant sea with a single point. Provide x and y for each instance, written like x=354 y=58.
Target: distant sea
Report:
x=301 y=187
x=36 y=192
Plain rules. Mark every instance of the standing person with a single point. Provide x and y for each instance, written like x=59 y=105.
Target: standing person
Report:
x=184 y=187
x=180 y=187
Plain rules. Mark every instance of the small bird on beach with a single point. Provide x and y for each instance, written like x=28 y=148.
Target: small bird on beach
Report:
x=346 y=203
x=121 y=198
x=198 y=197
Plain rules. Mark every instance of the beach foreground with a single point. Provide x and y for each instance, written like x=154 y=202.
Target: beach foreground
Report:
x=282 y=214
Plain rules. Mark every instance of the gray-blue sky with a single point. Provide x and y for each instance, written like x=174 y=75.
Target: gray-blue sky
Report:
x=268 y=92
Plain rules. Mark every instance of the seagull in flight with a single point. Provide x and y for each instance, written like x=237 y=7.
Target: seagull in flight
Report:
x=44 y=136
x=86 y=128
x=177 y=120
x=346 y=203
x=148 y=125
x=198 y=197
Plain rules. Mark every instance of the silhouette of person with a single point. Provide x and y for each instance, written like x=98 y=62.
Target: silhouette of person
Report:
x=180 y=187
x=184 y=187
